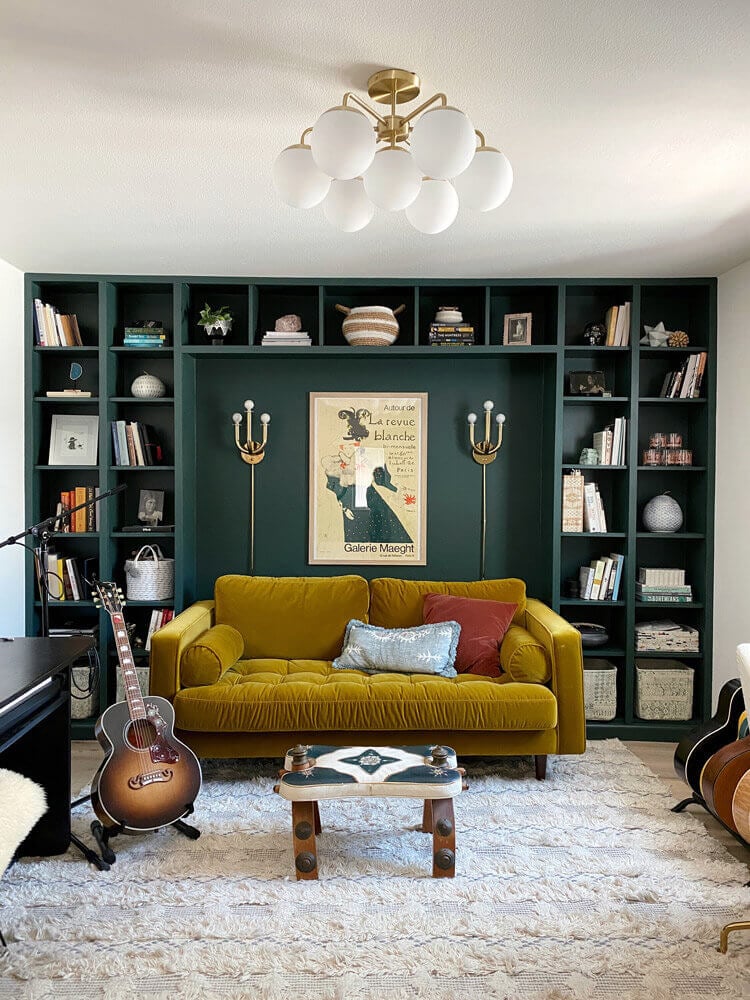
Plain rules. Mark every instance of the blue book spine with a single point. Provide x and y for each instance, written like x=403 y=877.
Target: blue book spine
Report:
x=116 y=443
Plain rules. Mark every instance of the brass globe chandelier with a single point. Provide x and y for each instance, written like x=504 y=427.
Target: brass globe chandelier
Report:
x=426 y=162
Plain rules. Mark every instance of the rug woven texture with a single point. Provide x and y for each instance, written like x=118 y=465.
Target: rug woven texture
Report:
x=584 y=886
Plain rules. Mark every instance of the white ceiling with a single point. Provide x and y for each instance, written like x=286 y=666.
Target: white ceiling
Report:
x=138 y=137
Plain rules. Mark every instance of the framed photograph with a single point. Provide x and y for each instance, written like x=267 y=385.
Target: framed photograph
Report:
x=368 y=478
x=587 y=383
x=151 y=507
x=73 y=440
x=517 y=328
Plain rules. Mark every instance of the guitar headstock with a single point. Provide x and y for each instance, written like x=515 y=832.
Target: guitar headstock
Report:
x=109 y=596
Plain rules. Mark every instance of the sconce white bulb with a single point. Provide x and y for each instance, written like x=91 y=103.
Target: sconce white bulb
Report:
x=472 y=418
x=500 y=418
x=488 y=405
x=237 y=417
x=265 y=418
x=249 y=404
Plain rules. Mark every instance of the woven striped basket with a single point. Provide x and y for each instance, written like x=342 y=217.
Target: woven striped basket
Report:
x=599 y=689
x=370 y=326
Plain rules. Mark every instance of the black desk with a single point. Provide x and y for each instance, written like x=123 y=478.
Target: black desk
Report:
x=35 y=728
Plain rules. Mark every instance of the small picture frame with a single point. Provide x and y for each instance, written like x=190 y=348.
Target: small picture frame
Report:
x=73 y=440
x=587 y=383
x=151 y=507
x=517 y=329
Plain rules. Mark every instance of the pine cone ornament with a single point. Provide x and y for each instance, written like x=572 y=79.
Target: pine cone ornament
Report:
x=678 y=339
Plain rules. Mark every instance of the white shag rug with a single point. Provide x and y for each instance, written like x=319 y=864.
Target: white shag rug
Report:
x=582 y=886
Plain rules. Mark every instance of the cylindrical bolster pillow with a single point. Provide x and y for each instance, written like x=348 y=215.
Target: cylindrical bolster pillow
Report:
x=523 y=658
x=211 y=655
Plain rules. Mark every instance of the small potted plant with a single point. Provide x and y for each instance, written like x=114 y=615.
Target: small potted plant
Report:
x=216 y=322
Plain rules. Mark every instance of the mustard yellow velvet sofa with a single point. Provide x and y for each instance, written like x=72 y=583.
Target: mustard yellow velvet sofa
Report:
x=249 y=673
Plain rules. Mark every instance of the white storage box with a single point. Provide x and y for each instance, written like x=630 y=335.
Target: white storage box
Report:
x=142 y=675
x=599 y=689
x=663 y=690
x=83 y=705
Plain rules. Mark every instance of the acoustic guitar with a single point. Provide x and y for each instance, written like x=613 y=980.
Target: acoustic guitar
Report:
x=694 y=750
x=721 y=776
x=741 y=807
x=148 y=777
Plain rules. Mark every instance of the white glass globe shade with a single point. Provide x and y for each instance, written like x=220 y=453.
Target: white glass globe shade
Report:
x=297 y=179
x=342 y=143
x=347 y=207
x=443 y=143
x=434 y=208
x=393 y=180
x=486 y=182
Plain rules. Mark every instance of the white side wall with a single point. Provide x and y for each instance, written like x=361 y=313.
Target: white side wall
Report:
x=732 y=563
x=11 y=448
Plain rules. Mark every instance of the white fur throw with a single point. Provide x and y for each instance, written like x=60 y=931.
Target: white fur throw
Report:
x=22 y=803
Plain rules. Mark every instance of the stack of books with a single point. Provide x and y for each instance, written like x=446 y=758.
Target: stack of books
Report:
x=53 y=328
x=149 y=333
x=657 y=586
x=666 y=637
x=159 y=618
x=610 y=443
x=135 y=443
x=600 y=581
x=451 y=335
x=685 y=382
x=83 y=520
x=617 y=322
x=594 y=518
x=276 y=338
x=66 y=577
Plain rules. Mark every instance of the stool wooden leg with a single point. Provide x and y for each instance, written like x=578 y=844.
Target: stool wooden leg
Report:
x=443 y=839
x=316 y=812
x=303 y=838
x=427 y=816
x=540 y=766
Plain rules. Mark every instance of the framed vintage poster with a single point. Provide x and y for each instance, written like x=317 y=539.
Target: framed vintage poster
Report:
x=368 y=478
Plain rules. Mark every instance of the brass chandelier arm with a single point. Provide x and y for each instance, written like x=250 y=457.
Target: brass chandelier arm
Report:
x=482 y=140
x=365 y=107
x=423 y=107
x=304 y=134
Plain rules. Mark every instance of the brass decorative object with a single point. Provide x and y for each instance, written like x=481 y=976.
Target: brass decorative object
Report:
x=484 y=453
x=252 y=452
x=678 y=339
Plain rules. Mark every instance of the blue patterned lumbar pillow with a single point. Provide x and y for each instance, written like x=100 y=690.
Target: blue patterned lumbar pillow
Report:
x=424 y=649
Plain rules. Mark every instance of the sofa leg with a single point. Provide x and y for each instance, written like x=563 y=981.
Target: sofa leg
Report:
x=540 y=766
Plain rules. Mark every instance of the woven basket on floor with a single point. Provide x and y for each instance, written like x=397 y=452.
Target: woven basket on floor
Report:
x=599 y=689
x=663 y=690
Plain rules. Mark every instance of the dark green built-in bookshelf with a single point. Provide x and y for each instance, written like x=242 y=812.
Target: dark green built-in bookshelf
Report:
x=207 y=485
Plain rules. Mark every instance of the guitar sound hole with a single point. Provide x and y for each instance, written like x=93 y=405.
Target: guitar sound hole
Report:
x=140 y=735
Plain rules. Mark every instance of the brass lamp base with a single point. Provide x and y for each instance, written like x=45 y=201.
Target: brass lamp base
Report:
x=389 y=84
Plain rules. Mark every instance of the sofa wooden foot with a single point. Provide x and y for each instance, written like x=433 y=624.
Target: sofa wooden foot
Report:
x=540 y=766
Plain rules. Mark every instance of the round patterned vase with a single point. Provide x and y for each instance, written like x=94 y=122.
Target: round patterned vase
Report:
x=148 y=387
x=662 y=513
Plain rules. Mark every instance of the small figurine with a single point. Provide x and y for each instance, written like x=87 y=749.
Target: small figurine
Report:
x=594 y=334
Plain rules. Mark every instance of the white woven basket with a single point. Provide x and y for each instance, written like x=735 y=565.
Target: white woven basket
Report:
x=663 y=690
x=149 y=579
x=599 y=689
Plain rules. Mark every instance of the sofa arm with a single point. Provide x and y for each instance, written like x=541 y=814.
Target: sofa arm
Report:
x=170 y=642
x=563 y=645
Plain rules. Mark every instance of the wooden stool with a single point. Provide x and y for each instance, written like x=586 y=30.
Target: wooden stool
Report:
x=321 y=772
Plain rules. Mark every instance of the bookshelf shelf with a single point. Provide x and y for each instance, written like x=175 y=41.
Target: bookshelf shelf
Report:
x=676 y=605
x=669 y=655
x=529 y=382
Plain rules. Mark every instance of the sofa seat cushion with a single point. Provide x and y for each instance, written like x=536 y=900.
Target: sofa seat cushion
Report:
x=400 y=603
x=274 y=695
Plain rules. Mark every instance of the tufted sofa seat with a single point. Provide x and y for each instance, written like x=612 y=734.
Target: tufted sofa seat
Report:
x=251 y=671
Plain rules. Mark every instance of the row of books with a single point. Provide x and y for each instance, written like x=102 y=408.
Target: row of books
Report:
x=66 y=577
x=159 y=618
x=146 y=334
x=53 y=328
x=617 y=322
x=610 y=443
x=685 y=382
x=461 y=334
x=135 y=443
x=278 y=338
x=83 y=520
x=665 y=637
x=662 y=586
x=582 y=505
x=600 y=581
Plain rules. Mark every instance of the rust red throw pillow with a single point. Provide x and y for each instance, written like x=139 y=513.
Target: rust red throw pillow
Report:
x=483 y=627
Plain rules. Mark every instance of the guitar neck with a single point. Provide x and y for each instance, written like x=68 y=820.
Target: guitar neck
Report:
x=136 y=707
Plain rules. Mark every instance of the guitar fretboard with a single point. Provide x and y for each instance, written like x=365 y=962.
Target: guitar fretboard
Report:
x=136 y=706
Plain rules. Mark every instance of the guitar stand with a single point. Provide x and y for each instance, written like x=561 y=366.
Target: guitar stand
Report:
x=694 y=799
x=103 y=834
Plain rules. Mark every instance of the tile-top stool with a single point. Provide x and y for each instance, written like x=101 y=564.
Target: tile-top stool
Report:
x=429 y=773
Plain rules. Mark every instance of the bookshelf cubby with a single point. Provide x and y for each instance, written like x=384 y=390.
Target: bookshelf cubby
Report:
x=206 y=487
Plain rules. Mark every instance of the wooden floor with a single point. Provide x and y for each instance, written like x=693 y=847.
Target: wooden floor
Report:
x=87 y=756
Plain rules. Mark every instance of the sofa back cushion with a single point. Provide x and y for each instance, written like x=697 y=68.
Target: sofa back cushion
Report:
x=399 y=603
x=292 y=617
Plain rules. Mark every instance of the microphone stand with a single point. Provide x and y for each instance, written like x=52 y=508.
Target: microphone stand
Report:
x=44 y=531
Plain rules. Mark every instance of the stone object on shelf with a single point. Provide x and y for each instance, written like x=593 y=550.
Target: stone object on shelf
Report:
x=291 y=323
x=662 y=514
x=148 y=387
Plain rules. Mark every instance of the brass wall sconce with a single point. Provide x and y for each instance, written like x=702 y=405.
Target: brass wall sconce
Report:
x=253 y=453
x=484 y=453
